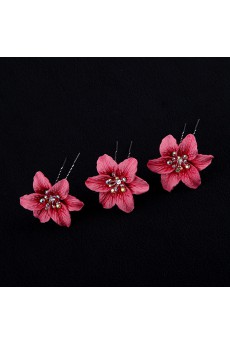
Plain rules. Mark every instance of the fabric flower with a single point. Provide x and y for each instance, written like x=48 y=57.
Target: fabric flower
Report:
x=51 y=201
x=179 y=162
x=116 y=183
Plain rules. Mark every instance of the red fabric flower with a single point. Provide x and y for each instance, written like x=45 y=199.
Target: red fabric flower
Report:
x=51 y=201
x=179 y=162
x=116 y=183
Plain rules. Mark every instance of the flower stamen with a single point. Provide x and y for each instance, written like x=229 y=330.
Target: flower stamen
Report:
x=116 y=184
x=50 y=201
x=178 y=163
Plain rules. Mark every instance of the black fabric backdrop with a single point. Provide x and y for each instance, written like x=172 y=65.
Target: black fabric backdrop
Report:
x=52 y=108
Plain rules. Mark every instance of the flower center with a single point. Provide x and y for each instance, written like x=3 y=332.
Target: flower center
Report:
x=116 y=184
x=50 y=201
x=178 y=163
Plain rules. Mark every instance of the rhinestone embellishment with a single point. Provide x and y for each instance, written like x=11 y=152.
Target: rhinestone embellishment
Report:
x=178 y=163
x=50 y=201
x=116 y=184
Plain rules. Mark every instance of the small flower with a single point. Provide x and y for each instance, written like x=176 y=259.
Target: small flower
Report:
x=116 y=183
x=179 y=162
x=51 y=201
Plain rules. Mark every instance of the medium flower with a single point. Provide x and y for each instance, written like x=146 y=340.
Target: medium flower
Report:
x=51 y=201
x=179 y=162
x=116 y=183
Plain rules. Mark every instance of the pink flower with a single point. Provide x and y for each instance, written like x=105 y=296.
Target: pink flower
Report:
x=179 y=162
x=51 y=201
x=116 y=183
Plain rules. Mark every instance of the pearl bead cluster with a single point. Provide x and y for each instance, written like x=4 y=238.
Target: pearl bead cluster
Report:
x=116 y=184
x=178 y=163
x=50 y=201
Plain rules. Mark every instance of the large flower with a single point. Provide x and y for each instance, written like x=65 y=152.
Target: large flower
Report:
x=51 y=201
x=179 y=162
x=116 y=183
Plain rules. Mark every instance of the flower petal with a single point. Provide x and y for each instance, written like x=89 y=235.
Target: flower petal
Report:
x=188 y=147
x=169 y=181
x=168 y=145
x=42 y=215
x=125 y=201
x=202 y=161
x=107 y=200
x=191 y=177
x=73 y=204
x=41 y=183
x=61 y=216
x=61 y=188
x=31 y=201
x=138 y=186
x=128 y=169
x=98 y=183
x=36 y=214
x=106 y=165
x=159 y=165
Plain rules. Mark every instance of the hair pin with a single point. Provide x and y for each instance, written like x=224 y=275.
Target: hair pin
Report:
x=52 y=202
x=117 y=182
x=180 y=162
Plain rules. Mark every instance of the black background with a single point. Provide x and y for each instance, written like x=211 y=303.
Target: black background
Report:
x=53 y=107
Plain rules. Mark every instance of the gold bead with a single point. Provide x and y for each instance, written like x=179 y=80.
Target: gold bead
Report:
x=112 y=190
x=174 y=153
x=58 y=205
x=123 y=189
x=178 y=169
x=187 y=166
x=185 y=157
